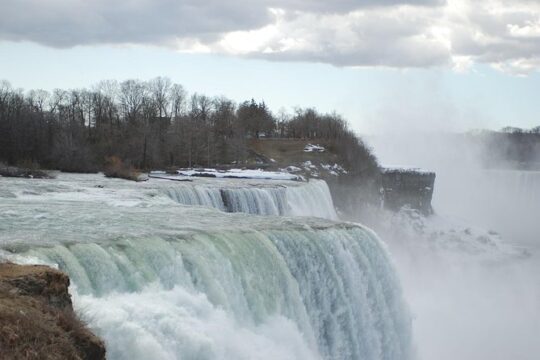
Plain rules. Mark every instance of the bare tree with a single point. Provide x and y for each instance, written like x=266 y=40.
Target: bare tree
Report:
x=153 y=124
x=160 y=90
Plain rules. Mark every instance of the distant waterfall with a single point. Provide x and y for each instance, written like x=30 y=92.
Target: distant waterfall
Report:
x=305 y=199
x=273 y=294
x=514 y=203
x=518 y=189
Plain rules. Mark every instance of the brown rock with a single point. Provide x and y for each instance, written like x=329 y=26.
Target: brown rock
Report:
x=37 y=320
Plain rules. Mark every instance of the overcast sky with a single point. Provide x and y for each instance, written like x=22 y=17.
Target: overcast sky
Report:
x=387 y=64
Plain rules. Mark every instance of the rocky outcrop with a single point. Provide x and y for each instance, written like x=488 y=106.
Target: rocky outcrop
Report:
x=408 y=187
x=37 y=320
x=356 y=194
x=13 y=171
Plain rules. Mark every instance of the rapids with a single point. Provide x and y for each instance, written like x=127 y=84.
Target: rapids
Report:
x=159 y=279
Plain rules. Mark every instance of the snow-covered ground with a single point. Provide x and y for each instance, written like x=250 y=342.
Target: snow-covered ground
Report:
x=315 y=171
x=233 y=173
x=288 y=173
x=335 y=169
x=404 y=169
x=314 y=148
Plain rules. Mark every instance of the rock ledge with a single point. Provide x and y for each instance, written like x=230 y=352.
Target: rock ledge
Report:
x=37 y=320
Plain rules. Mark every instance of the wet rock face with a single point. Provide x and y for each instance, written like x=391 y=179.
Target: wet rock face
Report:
x=37 y=319
x=412 y=188
x=356 y=198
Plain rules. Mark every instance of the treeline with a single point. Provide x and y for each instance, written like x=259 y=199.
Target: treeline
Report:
x=152 y=124
x=516 y=130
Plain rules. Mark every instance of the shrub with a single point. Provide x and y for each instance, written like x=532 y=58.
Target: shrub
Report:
x=116 y=168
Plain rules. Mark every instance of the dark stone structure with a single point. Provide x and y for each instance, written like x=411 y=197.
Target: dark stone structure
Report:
x=407 y=187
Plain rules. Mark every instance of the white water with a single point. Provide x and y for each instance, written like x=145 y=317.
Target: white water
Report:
x=258 y=197
x=157 y=279
x=306 y=199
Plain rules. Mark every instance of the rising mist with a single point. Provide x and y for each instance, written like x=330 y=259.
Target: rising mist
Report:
x=470 y=271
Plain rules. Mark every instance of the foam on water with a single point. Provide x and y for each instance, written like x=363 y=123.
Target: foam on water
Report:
x=332 y=289
x=258 y=197
x=177 y=324
x=303 y=199
x=159 y=279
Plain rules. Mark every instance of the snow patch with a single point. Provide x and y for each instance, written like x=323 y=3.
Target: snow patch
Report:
x=308 y=165
x=404 y=169
x=233 y=173
x=334 y=169
x=314 y=148
x=293 y=169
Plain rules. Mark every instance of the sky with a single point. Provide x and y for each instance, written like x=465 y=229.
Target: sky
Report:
x=386 y=65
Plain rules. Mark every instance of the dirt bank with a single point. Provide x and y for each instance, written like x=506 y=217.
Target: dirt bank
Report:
x=37 y=319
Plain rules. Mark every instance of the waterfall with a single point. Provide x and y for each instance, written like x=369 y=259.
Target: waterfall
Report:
x=333 y=290
x=157 y=279
x=302 y=199
x=517 y=189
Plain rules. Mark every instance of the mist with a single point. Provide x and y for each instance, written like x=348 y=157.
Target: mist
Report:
x=470 y=272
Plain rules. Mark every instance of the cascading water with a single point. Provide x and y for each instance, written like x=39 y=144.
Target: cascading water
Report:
x=304 y=199
x=258 y=197
x=521 y=188
x=159 y=280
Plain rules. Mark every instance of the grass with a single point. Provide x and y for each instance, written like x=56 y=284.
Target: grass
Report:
x=291 y=151
x=116 y=168
x=34 y=327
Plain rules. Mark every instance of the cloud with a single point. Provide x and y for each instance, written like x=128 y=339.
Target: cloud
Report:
x=66 y=23
x=493 y=32
x=343 y=6
x=391 y=33
x=377 y=37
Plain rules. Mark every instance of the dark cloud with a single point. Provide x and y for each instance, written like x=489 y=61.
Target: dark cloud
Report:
x=64 y=23
x=394 y=33
x=340 y=6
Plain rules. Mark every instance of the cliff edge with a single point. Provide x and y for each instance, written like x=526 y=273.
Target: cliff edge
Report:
x=355 y=191
x=37 y=320
x=411 y=187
